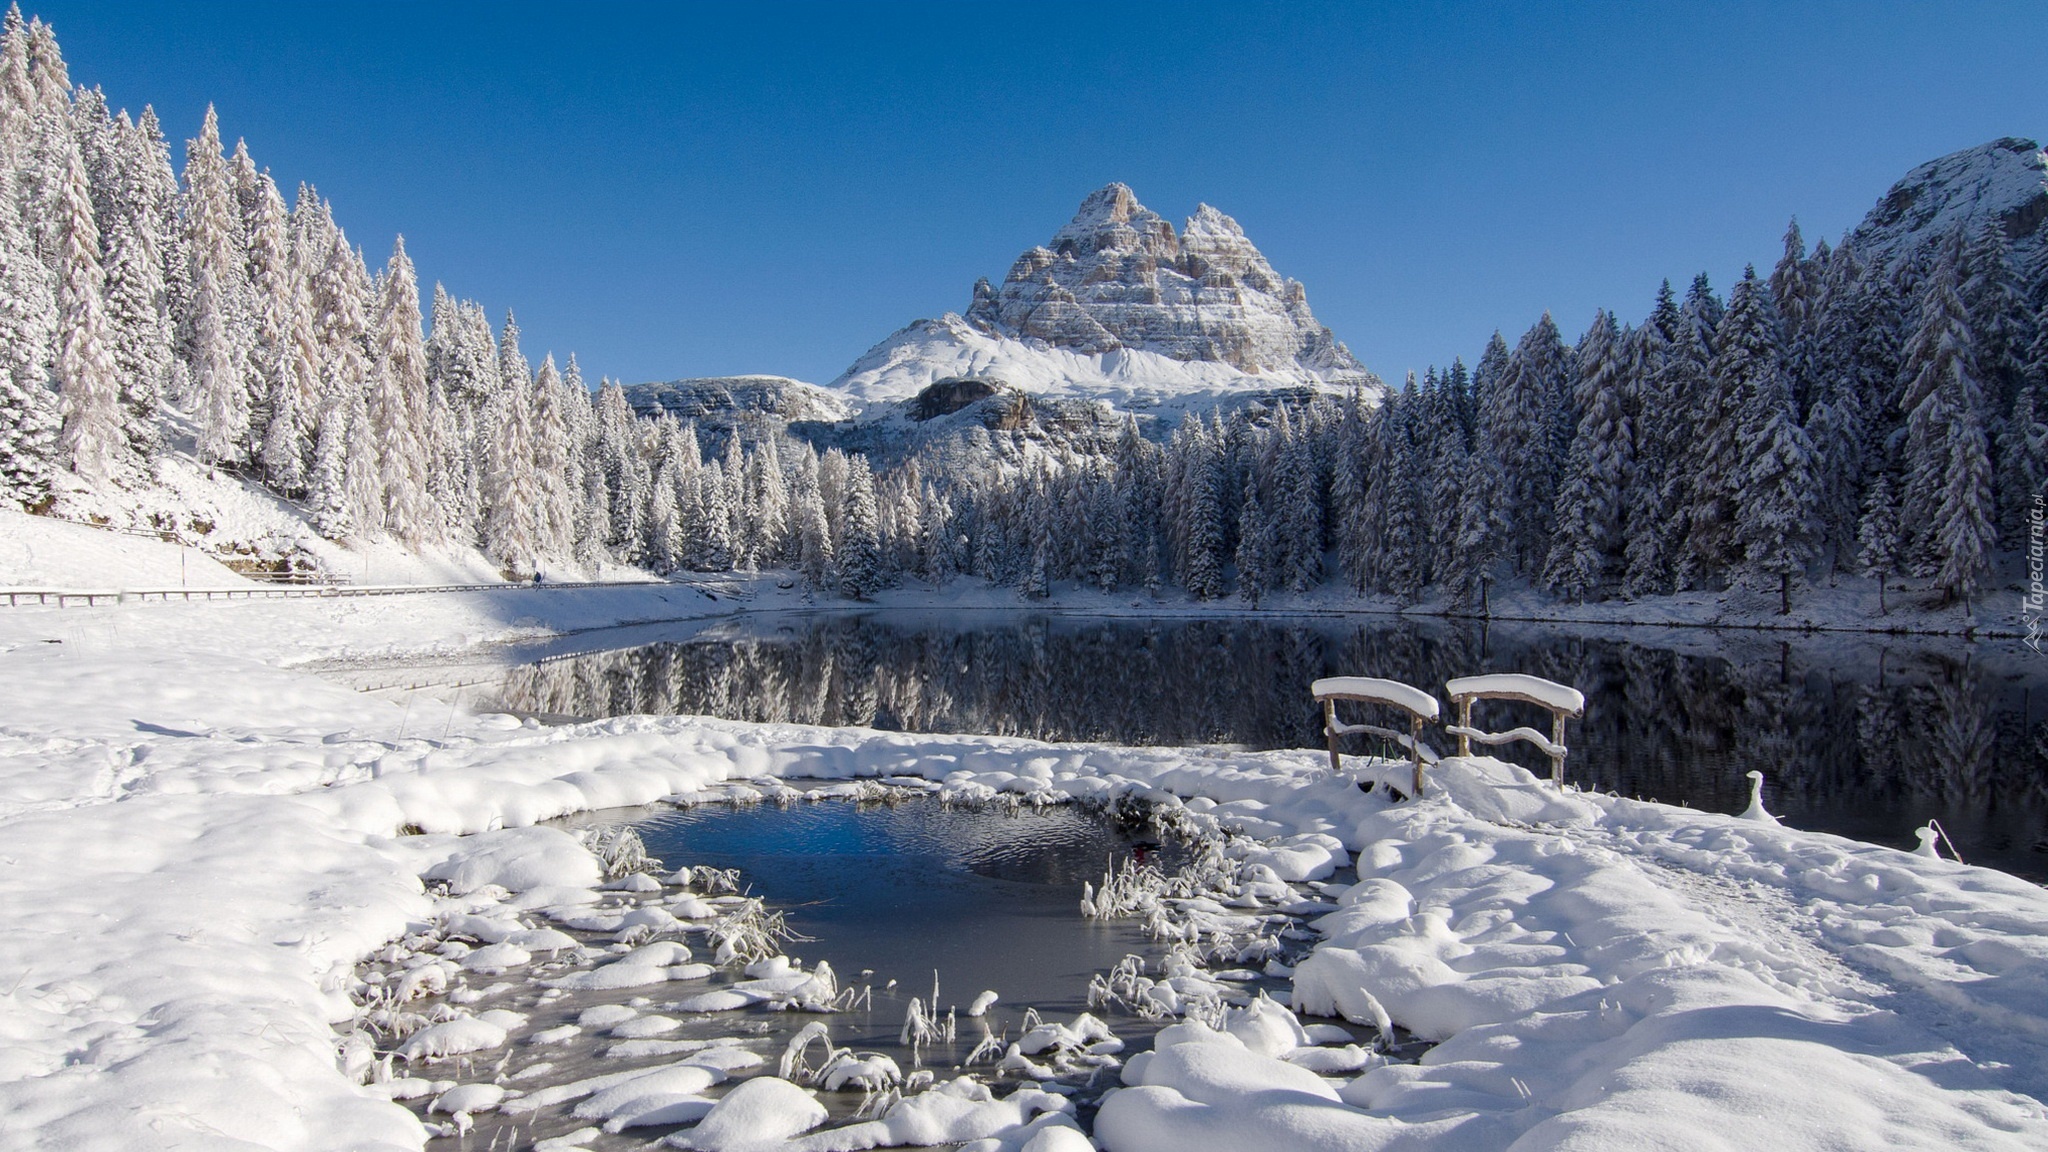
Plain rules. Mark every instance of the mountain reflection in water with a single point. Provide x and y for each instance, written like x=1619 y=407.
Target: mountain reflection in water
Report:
x=1864 y=736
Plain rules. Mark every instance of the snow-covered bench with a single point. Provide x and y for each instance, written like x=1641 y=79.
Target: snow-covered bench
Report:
x=1562 y=701
x=1421 y=707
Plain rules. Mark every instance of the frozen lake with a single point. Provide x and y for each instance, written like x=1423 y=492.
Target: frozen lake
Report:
x=1866 y=736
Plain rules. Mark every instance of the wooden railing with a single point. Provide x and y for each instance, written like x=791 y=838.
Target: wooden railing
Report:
x=1559 y=700
x=1421 y=707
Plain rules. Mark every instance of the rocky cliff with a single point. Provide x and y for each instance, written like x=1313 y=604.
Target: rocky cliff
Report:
x=2005 y=181
x=1121 y=306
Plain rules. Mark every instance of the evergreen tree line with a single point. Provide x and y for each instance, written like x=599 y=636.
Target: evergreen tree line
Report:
x=138 y=312
x=1836 y=416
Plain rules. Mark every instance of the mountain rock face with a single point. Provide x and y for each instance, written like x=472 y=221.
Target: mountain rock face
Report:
x=2005 y=181
x=1121 y=306
x=721 y=403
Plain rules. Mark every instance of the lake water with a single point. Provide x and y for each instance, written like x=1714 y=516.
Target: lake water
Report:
x=891 y=895
x=1864 y=736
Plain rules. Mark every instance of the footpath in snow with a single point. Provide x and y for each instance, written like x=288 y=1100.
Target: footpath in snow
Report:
x=198 y=844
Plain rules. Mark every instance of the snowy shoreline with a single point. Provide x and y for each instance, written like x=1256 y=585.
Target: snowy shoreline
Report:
x=200 y=843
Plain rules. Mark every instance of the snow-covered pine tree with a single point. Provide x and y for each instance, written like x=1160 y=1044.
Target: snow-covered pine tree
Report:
x=283 y=355
x=1586 y=551
x=1795 y=297
x=1938 y=376
x=1482 y=522
x=554 y=462
x=1776 y=518
x=1298 y=519
x=17 y=92
x=767 y=505
x=2022 y=464
x=713 y=541
x=29 y=419
x=1727 y=424
x=1838 y=422
x=1964 y=534
x=1203 y=528
x=814 y=534
x=1657 y=421
x=858 y=554
x=663 y=548
x=88 y=381
x=398 y=406
x=214 y=343
x=1255 y=546
x=511 y=491
x=1877 y=534
x=1525 y=406
x=327 y=494
x=627 y=483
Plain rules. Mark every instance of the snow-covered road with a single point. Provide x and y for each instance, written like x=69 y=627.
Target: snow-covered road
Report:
x=198 y=842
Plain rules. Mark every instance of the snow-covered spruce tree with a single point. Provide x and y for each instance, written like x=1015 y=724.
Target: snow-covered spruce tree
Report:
x=1482 y=524
x=1447 y=462
x=1585 y=553
x=327 y=495
x=283 y=354
x=1726 y=424
x=511 y=492
x=1519 y=430
x=1203 y=526
x=554 y=463
x=767 y=506
x=398 y=405
x=663 y=548
x=2002 y=322
x=1795 y=294
x=712 y=544
x=1299 y=517
x=29 y=419
x=17 y=92
x=1255 y=547
x=813 y=532
x=1776 y=521
x=1657 y=421
x=1938 y=377
x=1838 y=422
x=2022 y=464
x=217 y=328
x=1964 y=534
x=859 y=552
x=1877 y=534
x=627 y=483
x=88 y=381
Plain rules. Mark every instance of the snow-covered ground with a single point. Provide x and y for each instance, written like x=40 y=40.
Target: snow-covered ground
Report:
x=199 y=840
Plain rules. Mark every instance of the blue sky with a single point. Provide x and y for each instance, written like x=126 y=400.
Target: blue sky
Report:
x=694 y=190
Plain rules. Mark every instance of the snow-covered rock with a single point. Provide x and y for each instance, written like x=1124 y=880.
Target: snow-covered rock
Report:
x=1121 y=307
x=2005 y=180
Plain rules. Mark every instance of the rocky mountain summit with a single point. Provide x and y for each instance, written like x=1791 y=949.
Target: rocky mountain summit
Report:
x=1117 y=276
x=2004 y=181
x=1121 y=306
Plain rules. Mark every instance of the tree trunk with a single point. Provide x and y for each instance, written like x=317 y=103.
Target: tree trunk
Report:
x=1784 y=593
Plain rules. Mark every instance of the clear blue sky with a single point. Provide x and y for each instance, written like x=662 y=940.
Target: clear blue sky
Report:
x=693 y=190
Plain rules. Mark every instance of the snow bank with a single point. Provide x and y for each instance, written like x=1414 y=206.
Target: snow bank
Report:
x=197 y=845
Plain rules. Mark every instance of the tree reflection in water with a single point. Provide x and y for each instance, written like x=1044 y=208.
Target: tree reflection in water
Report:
x=1863 y=737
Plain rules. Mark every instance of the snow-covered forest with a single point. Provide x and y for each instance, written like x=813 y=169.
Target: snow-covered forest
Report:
x=1841 y=414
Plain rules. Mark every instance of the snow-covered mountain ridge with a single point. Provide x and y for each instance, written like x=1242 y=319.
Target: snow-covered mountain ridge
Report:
x=1121 y=307
x=2005 y=180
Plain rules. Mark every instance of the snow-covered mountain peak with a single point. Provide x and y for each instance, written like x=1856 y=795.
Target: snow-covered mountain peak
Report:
x=1119 y=305
x=2005 y=180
